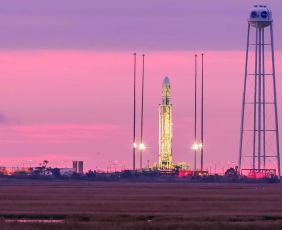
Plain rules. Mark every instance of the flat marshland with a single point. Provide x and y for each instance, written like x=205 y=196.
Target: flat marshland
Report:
x=122 y=206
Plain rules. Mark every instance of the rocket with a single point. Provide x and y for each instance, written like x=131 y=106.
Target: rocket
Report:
x=165 y=128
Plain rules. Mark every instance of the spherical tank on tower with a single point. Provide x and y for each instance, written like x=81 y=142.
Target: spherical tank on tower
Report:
x=260 y=16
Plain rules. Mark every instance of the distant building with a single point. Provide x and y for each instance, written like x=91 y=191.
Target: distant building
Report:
x=78 y=166
x=14 y=170
x=66 y=171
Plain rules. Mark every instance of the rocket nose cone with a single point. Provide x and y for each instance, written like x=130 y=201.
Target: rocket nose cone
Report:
x=166 y=81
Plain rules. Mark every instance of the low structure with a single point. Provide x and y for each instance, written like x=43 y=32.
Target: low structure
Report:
x=78 y=166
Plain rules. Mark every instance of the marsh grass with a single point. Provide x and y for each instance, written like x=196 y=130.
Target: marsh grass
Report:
x=144 y=226
x=151 y=206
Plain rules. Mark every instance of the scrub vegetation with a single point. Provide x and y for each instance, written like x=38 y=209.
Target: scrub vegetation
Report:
x=121 y=206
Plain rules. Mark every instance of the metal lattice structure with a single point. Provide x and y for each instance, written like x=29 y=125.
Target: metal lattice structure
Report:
x=165 y=128
x=259 y=135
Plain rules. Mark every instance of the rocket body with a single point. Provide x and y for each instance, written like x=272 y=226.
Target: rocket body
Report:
x=165 y=128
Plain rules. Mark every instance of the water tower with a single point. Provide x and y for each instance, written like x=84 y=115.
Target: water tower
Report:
x=259 y=134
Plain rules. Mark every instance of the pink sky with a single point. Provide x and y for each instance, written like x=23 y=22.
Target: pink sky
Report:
x=66 y=77
x=77 y=105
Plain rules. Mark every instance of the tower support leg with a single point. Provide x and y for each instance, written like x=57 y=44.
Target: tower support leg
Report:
x=244 y=100
x=275 y=103
x=255 y=103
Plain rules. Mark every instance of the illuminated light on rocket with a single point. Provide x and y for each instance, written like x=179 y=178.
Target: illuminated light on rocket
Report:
x=165 y=128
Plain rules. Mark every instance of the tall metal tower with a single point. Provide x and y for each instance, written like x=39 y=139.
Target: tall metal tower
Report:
x=142 y=146
x=134 y=145
x=165 y=128
x=259 y=136
x=199 y=146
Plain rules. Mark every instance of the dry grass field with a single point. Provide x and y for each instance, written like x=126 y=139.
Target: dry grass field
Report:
x=122 y=206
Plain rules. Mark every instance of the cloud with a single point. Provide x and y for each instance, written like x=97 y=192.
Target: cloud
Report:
x=56 y=133
x=3 y=119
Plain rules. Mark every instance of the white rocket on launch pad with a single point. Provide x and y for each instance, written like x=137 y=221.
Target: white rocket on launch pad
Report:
x=165 y=128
